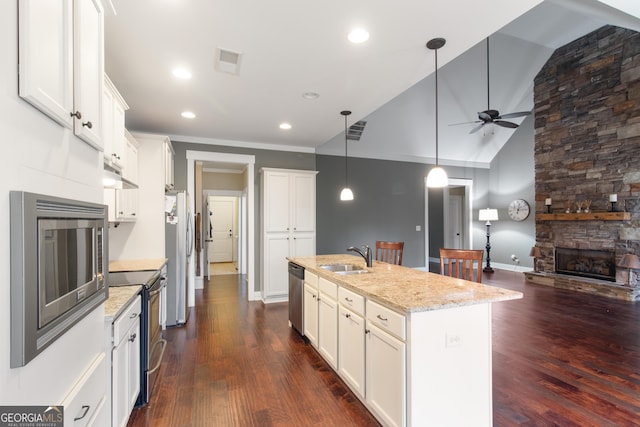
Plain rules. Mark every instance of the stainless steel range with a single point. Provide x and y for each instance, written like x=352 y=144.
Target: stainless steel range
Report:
x=152 y=345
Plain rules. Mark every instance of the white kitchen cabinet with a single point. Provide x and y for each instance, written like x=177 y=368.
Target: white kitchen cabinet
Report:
x=328 y=322
x=351 y=341
x=113 y=111
x=130 y=171
x=122 y=204
x=311 y=314
x=125 y=363
x=288 y=224
x=85 y=404
x=61 y=65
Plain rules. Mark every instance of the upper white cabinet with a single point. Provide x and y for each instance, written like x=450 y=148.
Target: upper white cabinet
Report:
x=61 y=56
x=288 y=224
x=113 y=110
x=130 y=171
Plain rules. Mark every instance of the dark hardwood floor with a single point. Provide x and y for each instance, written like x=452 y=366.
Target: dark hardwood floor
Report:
x=560 y=358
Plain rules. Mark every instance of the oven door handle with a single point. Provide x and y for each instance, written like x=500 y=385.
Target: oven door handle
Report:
x=164 y=345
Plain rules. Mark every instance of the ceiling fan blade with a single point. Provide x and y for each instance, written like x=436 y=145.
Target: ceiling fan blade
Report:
x=465 y=123
x=505 y=124
x=514 y=115
x=477 y=128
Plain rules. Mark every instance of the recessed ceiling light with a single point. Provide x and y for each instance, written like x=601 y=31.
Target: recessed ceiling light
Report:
x=310 y=95
x=181 y=73
x=285 y=126
x=359 y=35
x=188 y=115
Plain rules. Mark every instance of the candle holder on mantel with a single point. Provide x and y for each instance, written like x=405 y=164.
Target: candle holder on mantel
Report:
x=613 y=198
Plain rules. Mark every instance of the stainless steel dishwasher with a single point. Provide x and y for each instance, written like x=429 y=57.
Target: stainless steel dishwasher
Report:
x=296 y=293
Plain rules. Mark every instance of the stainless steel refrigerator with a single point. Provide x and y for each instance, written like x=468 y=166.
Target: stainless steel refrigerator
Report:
x=178 y=244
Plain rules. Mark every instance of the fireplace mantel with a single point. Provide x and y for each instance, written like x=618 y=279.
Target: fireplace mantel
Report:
x=591 y=216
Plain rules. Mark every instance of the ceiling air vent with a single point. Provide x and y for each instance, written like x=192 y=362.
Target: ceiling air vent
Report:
x=355 y=130
x=228 y=61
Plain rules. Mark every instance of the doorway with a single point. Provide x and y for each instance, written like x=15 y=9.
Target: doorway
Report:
x=246 y=208
x=223 y=229
x=457 y=216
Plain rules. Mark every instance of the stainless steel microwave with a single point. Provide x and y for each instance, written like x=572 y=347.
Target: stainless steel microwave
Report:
x=59 y=264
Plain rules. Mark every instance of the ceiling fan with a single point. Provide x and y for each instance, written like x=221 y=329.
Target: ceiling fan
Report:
x=493 y=116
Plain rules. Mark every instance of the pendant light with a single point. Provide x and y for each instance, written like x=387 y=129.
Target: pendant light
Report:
x=346 y=193
x=437 y=177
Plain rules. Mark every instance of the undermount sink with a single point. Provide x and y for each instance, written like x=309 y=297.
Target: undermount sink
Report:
x=344 y=268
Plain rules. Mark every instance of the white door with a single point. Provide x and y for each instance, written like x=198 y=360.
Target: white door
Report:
x=455 y=233
x=221 y=215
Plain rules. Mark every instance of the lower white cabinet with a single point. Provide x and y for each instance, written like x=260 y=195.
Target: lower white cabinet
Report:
x=85 y=405
x=351 y=349
x=328 y=321
x=125 y=364
x=310 y=300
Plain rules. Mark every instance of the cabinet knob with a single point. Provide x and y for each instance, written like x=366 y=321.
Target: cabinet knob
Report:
x=366 y=331
x=88 y=124
x=347 y=315
x=132 y=338
x=77 y=115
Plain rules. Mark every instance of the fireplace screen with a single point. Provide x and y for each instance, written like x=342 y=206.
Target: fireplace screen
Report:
x=586 y=263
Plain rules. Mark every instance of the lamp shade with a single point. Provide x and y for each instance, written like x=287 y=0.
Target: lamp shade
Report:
x=437 y=178
x=346 y=194
x=488 y=214
x=630 y=261
x=535 y=252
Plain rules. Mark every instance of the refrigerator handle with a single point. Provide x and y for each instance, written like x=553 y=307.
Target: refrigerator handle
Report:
x=189 y=235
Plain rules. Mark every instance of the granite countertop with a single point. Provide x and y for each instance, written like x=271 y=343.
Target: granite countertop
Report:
x=406 y=289
x=119 y=298
x=136 y=264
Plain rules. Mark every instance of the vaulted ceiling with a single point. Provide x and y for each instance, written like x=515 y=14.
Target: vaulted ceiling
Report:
x=290 y=47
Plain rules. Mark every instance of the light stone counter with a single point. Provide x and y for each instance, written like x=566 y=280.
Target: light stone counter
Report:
x=405 y=289
x=136 y=264
x=119 y=298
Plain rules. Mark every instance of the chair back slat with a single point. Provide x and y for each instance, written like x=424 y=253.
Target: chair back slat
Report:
x=462 y=263
x=390 y=252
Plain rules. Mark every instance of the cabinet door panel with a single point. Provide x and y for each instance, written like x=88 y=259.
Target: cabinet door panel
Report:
x=46 y=57
x=328 y=329
x=304 y=199
x=88 y=70
x=134 y=366
x=351 y=350
x=311 y=314
x=277 y=208
x=385 y=376
x=304 y=244
x=276 y=270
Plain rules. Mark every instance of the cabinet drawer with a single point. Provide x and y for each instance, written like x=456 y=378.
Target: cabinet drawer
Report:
x=123 y=323
x=351 y=300
x=386 y=319
x=311 y=278
x=328 y=288
x=87 y=396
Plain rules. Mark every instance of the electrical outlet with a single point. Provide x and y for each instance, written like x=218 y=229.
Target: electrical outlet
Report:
x=453 y=340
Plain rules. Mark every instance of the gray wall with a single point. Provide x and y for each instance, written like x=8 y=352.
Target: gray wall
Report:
x=388 y=205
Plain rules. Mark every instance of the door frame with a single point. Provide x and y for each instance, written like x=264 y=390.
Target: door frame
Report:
x=467 y=219
x=242 y=221
x=249 y=162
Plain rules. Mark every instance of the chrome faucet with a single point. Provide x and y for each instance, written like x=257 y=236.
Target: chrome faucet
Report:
x=366 y=254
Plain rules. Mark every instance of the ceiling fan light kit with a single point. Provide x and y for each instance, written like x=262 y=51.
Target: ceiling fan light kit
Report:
x=437 y=177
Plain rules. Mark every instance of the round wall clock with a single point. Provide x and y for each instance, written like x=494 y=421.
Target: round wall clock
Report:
x=519 y=210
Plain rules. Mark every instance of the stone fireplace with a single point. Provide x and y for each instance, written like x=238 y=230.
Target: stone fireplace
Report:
x=587 y=146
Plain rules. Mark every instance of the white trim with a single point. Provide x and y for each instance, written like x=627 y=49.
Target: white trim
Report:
x=468 y=218
x=242 y=144
x=249 y=161
x=413 y=159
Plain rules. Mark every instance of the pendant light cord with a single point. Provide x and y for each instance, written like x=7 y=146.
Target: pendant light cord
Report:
x=436 y=52
x=346 y=157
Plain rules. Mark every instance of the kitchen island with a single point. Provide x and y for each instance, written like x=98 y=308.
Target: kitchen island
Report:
x=415 y=347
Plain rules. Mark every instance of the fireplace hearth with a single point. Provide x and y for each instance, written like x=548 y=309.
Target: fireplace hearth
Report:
x=595 y=264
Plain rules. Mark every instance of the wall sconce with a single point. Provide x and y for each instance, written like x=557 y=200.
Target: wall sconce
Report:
x=535 y=253
x=488 y=215
x=630 y=262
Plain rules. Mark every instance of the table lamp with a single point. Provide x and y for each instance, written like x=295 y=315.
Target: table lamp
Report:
x=535 y=253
